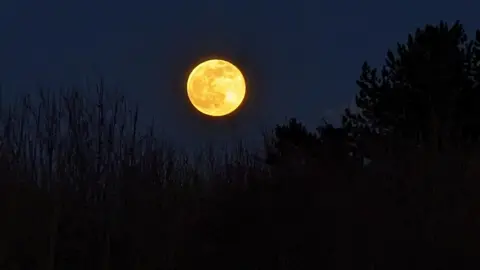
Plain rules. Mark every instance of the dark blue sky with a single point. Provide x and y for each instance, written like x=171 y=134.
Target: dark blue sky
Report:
x=301 y=57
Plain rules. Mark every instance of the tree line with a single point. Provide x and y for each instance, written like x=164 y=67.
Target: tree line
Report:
x=82 y=187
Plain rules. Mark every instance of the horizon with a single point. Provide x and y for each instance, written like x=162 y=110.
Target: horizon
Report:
x=301 y=59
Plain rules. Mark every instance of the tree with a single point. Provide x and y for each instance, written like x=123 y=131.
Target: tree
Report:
x=428 y=91
x=291 y=141
x=295 y=152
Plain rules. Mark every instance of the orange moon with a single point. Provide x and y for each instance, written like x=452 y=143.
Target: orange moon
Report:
x=216 y=87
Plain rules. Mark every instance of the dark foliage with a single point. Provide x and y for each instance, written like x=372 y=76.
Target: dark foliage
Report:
x=427 y=91
x=396 y=187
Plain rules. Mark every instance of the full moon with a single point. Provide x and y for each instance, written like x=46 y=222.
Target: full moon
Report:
x=216 y=87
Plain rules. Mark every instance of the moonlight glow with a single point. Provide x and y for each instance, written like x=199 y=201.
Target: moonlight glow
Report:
x=216 y=87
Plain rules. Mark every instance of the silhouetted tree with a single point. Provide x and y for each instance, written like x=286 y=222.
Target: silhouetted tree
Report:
x=427 y=91
x=291 y=143
x=424 y=98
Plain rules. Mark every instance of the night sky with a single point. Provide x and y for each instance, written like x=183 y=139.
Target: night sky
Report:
x=301 y=58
